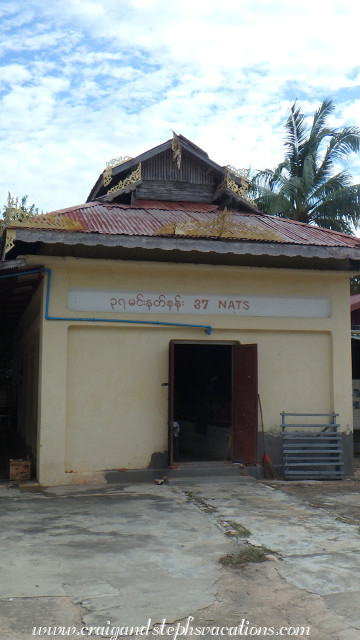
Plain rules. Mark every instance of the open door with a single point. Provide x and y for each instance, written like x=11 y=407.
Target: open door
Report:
x=171 y=402
x=245 y=403
x=213 y=392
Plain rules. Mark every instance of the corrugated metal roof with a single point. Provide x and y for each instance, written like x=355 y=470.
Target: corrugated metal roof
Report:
x=355 y=302
x=158 y=218
x=176 y=206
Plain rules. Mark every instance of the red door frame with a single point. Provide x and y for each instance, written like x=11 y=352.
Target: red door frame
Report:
x=244 y=399
x=171 y=402
x=245 y=404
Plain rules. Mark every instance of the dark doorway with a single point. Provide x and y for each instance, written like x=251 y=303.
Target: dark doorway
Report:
x=355 y=352
x=12 y=446
x=213 y=397
x=19 y=364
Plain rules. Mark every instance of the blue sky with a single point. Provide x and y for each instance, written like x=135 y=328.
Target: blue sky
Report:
x=84 y=81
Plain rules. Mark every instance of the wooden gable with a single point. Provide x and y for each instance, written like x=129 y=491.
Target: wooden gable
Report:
x=176 y=171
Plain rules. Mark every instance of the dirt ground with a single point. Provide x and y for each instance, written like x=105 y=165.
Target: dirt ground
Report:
x=340 y=498
x=257 y=595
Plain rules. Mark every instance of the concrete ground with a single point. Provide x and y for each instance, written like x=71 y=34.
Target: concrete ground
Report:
x=120 y=555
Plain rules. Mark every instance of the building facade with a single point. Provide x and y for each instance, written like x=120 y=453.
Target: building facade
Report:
x=169 y=297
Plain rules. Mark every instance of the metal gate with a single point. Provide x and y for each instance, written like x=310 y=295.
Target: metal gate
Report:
x=311 y=451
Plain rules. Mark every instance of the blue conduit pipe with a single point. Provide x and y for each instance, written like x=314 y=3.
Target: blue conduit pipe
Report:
x=207 y=328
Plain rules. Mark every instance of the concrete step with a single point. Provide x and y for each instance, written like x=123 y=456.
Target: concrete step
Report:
x=186 y=470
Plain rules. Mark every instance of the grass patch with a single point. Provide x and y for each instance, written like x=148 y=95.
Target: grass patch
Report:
x=244 y=556
x=202 y=504
x=237 y=530
x=344 y=520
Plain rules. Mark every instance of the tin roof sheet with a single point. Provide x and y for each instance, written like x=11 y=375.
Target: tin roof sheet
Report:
x=158 y=218
x=355 y=302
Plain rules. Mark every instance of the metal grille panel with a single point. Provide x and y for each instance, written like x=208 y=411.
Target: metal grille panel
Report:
x=311 y=450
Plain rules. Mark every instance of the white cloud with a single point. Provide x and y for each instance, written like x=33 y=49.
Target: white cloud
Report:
x=14 y=74
x=85 y=81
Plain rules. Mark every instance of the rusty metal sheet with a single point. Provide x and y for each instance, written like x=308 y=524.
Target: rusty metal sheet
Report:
x=178 y=206
x=153 y=218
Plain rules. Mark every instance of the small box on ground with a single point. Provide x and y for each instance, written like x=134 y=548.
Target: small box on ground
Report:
x=20 y=469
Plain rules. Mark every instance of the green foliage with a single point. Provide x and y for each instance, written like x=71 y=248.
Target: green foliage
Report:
x=307 y=185
x=354 y=285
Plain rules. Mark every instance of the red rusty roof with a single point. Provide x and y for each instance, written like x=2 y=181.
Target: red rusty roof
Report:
x=355 y=302
x=159 y=218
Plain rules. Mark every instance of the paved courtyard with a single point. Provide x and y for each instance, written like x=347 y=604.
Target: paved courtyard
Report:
x=123 y=555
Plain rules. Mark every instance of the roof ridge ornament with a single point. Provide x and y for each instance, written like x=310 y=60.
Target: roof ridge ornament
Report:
x=240 y=173
x=114 y=162
x=110 y=165
x=176 y=149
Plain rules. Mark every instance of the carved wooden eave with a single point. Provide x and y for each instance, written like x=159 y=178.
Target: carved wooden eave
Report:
x=117 y=193
x=233 y=189
x=126 y=185
x=50 y=221
x=228 y=198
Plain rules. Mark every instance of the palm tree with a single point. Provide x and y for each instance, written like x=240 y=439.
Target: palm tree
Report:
x=305 y=185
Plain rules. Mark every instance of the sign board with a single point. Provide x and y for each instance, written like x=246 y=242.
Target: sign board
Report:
x=157 y=302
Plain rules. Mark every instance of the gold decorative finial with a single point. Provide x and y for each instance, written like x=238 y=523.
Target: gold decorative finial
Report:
x=176 y=149
x=114 y=162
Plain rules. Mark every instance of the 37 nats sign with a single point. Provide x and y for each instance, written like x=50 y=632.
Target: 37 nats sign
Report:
x=196 y=304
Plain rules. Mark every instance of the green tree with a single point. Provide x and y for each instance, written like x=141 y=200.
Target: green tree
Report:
x=354 y=285
x=311 y=184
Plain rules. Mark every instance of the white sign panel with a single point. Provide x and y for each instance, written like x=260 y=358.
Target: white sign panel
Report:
x=197 y=304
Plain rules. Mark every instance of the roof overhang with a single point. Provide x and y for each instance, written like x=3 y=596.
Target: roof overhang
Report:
x=185 y=249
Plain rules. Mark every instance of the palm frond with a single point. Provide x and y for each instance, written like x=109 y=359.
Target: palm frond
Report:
x=344 y=143
x=296 y=131
x=343 y=203
x=304 y=186
x=330 y=187
x=335 y=224
x=326 y=108
x=341 y=145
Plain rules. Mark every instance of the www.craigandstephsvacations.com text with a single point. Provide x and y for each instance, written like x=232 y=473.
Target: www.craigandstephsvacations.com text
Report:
x=173 y=631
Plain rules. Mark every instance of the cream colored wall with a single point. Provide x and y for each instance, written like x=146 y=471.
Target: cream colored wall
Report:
x=102 y=402
x=116 y=406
